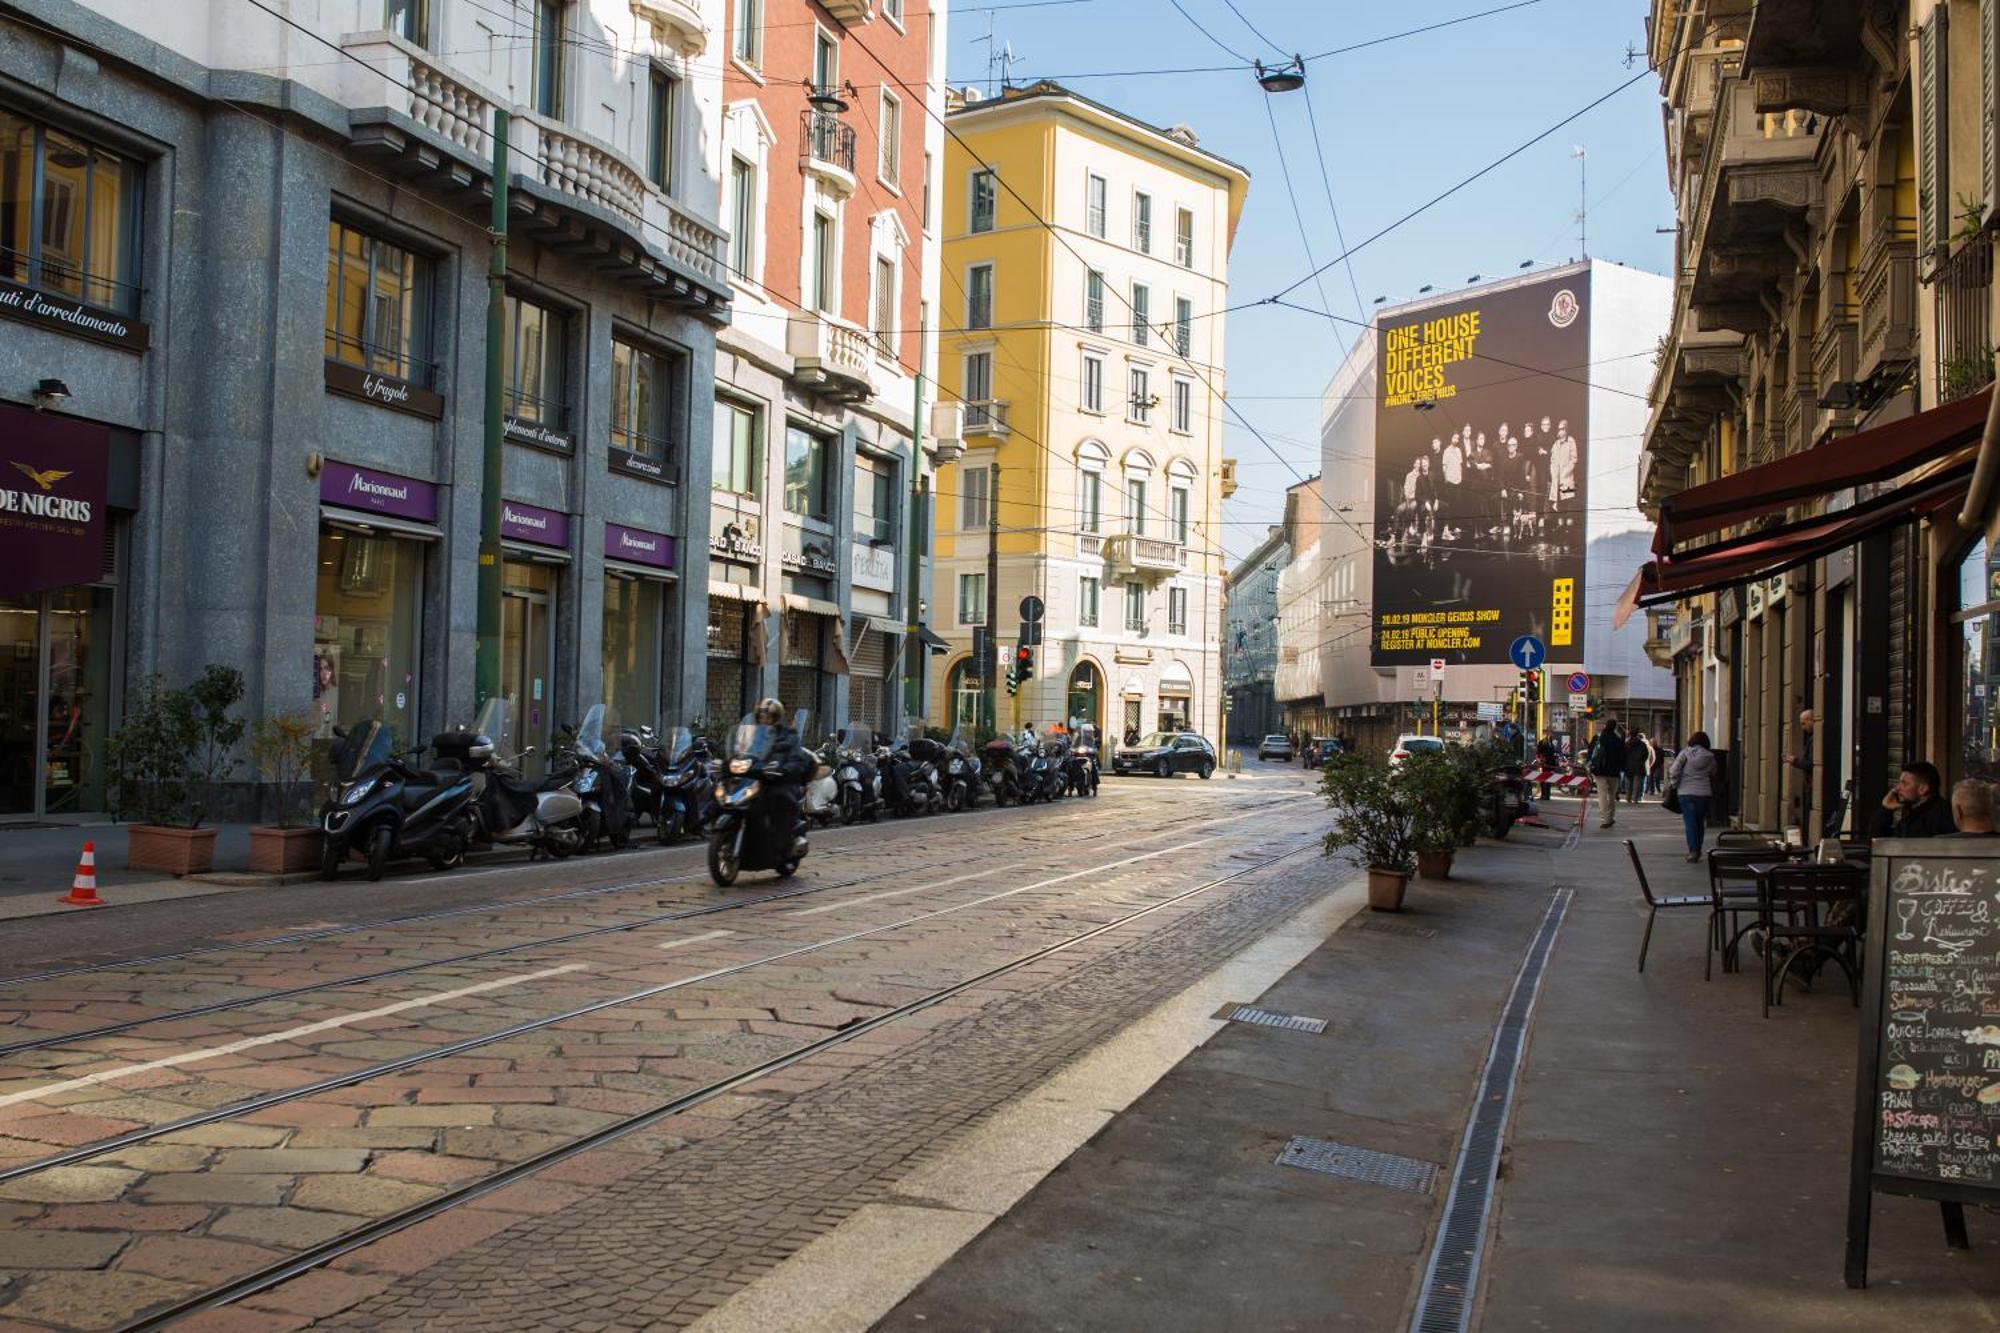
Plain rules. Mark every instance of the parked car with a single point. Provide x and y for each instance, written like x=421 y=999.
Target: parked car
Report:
x=1166 y=753
x=1410 y=742
x=1275 y=747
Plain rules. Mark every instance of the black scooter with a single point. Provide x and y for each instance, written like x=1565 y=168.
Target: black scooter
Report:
x=756 y=825
x=385 y=808
x=639 y=752
x=691 y=777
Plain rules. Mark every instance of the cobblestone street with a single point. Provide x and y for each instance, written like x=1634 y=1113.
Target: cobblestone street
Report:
x=592 y=1105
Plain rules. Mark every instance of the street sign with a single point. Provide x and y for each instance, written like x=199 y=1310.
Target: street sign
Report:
x=1031 y=633
x=1577 y=700
x=1527 y=652
x=1558 y=718
x=1437 y=666
x=1491 y=710
x=1031 y=608
x=1579 y=682
x=981 y=651
x=1421 y=678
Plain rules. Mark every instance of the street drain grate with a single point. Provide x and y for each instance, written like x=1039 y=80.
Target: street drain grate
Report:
x=1397 y=928
x=1363 y=1164
x=1270 y=1018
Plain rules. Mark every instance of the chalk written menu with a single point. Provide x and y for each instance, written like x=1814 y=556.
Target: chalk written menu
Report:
x=1937 y=1075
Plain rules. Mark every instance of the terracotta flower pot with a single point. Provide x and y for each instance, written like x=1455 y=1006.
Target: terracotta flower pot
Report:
x=173 y=851
x=284 y=851
x=1434 y=865
x=1386 y=889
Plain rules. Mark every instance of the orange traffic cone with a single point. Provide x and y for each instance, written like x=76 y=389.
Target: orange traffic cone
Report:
x=83 y=890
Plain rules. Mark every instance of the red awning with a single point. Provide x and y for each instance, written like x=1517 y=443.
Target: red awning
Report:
x=1853 y=460
x=1773 y=551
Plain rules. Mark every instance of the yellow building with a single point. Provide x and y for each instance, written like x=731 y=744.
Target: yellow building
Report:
x=1085 y=261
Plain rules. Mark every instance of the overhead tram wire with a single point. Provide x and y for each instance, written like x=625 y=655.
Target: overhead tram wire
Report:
x=1226 y=49
x=1245 y=19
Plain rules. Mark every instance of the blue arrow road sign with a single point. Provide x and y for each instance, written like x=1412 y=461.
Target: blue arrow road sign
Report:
x=1527 y=652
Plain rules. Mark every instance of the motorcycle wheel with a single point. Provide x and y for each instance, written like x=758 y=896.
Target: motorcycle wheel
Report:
x=722 y=863
x=953 y=801
x=786 y=869
x=850 y=806
x=1000 y=797
x=331 y=854
x=666 y=827
x=1165 y=770
x=380 y=839
x=559 y=846
x=592 y=824
x=621 y=834
x=449 y=857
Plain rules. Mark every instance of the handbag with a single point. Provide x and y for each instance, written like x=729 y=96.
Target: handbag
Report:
x=1670 y=799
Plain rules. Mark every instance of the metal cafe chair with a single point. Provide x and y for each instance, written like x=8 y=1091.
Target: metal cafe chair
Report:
x=1655 y=902
x=1732 y=887
x=1795 y=913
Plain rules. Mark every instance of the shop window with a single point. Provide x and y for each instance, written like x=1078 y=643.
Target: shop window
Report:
x=729 y=670
x=537 y=363
x=632 y=650
x=82 y=242
x=367 y=632
x=738 y=462
x=646 y=391
x=1086 y=697
x=967 y=698
x=805 y=473
x=378 y=304
x=802 y=680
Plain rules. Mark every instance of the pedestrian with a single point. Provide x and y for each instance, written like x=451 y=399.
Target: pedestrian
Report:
x=1546 y=757
x=1607 y=770
x=1972 y=809
x=1693 y=779
x=1663 y=754
x=1638 y=760
x=1913 y=809
x=1801 y=760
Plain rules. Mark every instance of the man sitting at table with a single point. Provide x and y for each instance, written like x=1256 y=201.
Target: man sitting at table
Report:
x=1972 y=808
x=1913 y=809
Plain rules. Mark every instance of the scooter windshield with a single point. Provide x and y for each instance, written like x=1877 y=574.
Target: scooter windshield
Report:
x=590 y=736
x=366 y=747
x=679 y=741
x=750 y=741
x=496 y=724
x=857 y=738
x=960 y=743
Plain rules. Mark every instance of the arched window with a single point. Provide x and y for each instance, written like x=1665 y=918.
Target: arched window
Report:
x=1086 y=697
x=1180 y=499
x=966 y=699
x=1092 y=459
x=1139 y=519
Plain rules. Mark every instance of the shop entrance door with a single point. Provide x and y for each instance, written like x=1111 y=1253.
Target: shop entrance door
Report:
x=527 y=656
x=55 y=700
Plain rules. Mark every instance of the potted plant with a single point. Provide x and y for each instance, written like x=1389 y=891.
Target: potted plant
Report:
x=1436 y=786
x=281 y=753
x=1372 y=815
x=175 y=748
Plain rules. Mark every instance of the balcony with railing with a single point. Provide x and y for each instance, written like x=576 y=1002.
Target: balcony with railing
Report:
x=675 y=23
x=1888 y=312
x=1148 y=557
x=1836 y=359
x=830 y=357
x=988 y=417
x=1962 y=286
x=826 y=149
x=1758 y=178
x=424 y=124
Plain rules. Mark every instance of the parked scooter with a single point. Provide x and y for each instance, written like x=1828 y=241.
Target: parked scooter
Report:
x=1002 y=768
x=690 y=776
x=544 y=816
x=386 y=809
x=1503 y=801
x=1080 y=772
x=602 y=784
x=756 y=826
x=822 y=792
x=859 y=780
x=961 y=773
x=640 y=752
x=1045 y=770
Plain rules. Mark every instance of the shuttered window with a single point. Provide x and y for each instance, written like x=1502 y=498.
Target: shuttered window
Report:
x=1989 y=104
x=1934 y=205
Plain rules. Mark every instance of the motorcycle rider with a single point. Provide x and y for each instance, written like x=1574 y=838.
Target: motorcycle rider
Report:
x=790 y=763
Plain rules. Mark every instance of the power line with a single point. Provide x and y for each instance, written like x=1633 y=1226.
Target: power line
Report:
x=1225 y=48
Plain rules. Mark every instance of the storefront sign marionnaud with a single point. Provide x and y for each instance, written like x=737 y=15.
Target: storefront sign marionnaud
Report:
x=375 y=491
x=522 y=522
x=59 y=313
x=638 y=547
x=51 y=502
x=383 y=390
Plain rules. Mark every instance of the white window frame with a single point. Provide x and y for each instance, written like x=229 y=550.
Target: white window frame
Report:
x=1090 y=389
x=1180 y=510
x=1142 y=314
x=1142 y=222
x=814 y=270
x=983 y=357
x=1180 y=418
x=1100 y=225
x=1138 y=501
x=752 y=216
x=972 y=182
x=1184 y=239
x=1177 y=620
x=1089 y=601
x=975 y=493
x=1183 y=334
x=1135 y=607
x=1094 y=287
x=972 y=610
x=885 y=334
x=975 y=317
x=1138 y=395
x=748 y=32
x=889 y=142
x=1092 y=462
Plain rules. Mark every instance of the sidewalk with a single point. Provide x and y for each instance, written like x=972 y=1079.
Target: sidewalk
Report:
x=1673 y=1161
x=37 y=864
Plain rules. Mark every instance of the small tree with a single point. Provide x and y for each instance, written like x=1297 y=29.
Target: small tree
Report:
x=1439 y=789
x=217 y=690
x=1372 y=812
x=150 y=753
x=281 y=752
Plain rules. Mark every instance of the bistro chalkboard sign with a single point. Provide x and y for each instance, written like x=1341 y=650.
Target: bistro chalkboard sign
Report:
x=1927 y=1104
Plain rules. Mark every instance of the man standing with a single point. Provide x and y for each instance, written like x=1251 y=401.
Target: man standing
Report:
x=1607 y=768
x=1638 y=762
x=1801 y=760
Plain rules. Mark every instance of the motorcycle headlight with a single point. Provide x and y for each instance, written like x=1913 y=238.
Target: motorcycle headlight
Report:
x=357 y=793
x=958 y=765
x=741 y=764
x=587 y=782
x=850 y=774
x=747 y=793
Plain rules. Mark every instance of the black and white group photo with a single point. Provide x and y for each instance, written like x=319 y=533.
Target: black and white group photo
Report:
x=1514 y=489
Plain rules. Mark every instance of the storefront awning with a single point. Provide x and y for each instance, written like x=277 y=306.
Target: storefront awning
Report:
x=1763 y=554
x=359 y=521
x=932 y=640
x=735 y=592
x=1864 y=458
x=817 y=606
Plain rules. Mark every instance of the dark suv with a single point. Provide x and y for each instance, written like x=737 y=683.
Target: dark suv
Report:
x=1165 y=753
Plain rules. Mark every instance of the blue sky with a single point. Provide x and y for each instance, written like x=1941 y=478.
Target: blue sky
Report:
x=1399 y=122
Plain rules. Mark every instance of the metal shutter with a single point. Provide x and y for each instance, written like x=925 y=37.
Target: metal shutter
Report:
x=1933 y=178
x=1989 y=106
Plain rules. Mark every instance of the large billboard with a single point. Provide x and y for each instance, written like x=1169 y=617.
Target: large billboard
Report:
x=1481 y=454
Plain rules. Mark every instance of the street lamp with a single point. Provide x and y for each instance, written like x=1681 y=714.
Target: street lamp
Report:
x=1286 y=78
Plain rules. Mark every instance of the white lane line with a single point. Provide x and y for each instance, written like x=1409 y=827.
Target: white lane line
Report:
x=898 y=893
x=694 y=939
x=269 y=1038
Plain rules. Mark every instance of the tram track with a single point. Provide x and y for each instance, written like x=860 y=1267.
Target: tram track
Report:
x=384 y=1068
x=316 y=1256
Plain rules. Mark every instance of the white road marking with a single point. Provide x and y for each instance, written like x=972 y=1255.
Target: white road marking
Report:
x=269 y=1038
x=898 y=893
x=694 y=939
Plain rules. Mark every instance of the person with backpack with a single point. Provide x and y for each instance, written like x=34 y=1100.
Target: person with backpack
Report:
x=1607 y=770
x=1638 y=762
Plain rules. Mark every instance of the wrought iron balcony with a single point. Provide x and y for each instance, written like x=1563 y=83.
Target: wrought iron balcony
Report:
x=827 y=149
x=1962 y=285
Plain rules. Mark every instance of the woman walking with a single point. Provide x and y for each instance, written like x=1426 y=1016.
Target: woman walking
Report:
x=1693 y=779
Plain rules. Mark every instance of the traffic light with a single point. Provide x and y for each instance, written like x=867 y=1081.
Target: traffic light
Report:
x=1534 y=683
x=1013 y=682
x=1024 y=662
